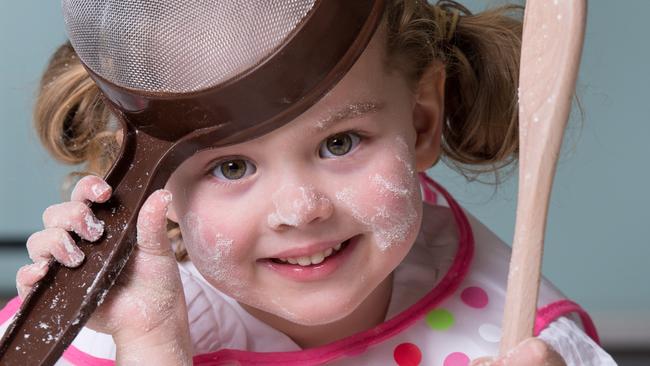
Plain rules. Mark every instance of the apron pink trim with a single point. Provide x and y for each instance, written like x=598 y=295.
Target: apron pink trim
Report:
x=359 y=342
x=429 y=194
x=10 y=309
x=79 y=358
x=549 y=313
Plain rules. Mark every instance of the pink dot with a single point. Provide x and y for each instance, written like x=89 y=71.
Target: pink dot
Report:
x=456 y=359
x=474 y=297
x=407 y=354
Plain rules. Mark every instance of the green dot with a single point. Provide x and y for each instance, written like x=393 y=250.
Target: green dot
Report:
x=440 y=319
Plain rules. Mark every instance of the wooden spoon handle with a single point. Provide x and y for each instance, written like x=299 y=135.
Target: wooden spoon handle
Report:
x=550 y=56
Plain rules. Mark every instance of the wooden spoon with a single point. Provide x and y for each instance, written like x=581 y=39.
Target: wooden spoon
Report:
x=550 y=56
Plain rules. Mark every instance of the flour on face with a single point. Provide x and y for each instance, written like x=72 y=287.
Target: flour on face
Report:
x=211 y=253
x=390 y=213
x=295 y=205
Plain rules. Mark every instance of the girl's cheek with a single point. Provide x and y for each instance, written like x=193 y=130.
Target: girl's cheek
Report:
x=211 y=251
x=387 y=201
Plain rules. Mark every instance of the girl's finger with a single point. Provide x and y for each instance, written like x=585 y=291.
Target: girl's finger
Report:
x=57 y=243
x=28 y=275
x=74 y=216
x=152 y=223
x=91 y=188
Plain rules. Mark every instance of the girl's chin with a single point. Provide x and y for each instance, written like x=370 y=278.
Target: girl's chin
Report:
x=306 y=313
x=314 y=317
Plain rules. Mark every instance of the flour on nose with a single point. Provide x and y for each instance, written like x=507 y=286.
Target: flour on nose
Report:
x=294 y=205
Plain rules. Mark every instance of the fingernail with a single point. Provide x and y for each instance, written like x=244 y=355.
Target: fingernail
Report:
x=100 y=190
x=75 y=259
x=95 y=227
x=75 y=255
x=38 y=267
x=166 y=196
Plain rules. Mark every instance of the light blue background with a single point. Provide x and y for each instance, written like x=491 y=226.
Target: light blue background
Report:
x=598 y=245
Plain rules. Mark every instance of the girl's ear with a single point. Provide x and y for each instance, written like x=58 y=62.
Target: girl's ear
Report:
x=428 y=114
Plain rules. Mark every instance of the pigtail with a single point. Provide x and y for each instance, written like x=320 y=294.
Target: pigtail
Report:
x=481 y=128
x=481 y=56
x=70 y=118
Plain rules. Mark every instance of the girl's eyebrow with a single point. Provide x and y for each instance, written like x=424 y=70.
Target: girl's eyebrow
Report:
x=349 y=111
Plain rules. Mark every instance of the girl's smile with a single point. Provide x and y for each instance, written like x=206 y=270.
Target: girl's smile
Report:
x=299 y=265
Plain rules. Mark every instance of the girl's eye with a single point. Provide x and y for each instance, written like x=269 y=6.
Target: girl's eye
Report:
x=339 y=144
x=233 y=169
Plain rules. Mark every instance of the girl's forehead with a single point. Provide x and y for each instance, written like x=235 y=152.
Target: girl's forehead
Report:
x=364 y=89
x=319 y=121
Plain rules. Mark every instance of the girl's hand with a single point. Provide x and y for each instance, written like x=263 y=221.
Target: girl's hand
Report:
x=145 y=311
x=531 y=352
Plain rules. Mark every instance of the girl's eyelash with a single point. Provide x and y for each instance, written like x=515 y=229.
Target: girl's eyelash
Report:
x=217 y=162
x=360 y=134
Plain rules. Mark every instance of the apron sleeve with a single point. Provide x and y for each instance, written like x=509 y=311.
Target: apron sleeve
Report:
x=573 y=344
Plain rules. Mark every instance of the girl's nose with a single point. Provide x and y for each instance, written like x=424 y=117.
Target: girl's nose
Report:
x=298 y=205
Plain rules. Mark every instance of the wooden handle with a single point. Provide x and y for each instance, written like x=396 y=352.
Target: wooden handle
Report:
x=550 y=57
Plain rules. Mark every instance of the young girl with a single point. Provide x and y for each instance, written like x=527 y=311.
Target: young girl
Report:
x=312 y=244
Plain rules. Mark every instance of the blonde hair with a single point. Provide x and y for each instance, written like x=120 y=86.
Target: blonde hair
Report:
x=480 y=53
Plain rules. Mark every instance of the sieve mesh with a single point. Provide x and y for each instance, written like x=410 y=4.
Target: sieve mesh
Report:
x=178 y=46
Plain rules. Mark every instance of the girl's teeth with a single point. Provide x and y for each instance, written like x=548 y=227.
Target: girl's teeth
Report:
x=304 y=261
x=317 y=258
x=313 y=259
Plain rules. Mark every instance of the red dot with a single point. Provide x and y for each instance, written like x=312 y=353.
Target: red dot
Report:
x=456 y=359
x=407 y=354
x=475 y=297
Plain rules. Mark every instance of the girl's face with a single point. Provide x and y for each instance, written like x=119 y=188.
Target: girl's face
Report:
x=306 y=221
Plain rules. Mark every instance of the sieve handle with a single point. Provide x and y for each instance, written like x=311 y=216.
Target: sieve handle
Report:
x=60 y=304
